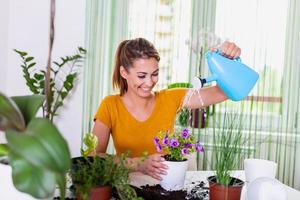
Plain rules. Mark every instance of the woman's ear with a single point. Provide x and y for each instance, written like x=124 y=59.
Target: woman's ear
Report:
x=123 y=72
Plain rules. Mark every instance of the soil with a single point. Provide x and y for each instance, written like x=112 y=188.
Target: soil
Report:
x=4 y=161
x=194 y=191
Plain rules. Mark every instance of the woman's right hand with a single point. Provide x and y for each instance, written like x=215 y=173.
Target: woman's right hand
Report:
x=153 y=166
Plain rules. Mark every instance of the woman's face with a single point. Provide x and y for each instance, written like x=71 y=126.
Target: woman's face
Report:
x=142 y=76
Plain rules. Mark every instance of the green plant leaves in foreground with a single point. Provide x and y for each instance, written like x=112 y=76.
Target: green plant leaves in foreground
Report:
x=42 y=145
x=29 y=105
x=25 y=176
x=41 y=151
x=3 y=150
x=10 y=115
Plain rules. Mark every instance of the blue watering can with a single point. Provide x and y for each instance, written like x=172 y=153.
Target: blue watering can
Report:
x=233 y=77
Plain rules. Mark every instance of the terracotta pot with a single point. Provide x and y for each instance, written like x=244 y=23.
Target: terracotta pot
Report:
x=221 y=192
x=99 y=193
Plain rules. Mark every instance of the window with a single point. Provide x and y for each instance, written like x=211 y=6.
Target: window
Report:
x=251 y=25
x=165 y=23
x=168 y=24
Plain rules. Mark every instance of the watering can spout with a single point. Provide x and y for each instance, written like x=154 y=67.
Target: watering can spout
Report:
x=232 y=76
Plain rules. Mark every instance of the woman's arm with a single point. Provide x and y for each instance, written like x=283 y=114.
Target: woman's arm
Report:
x=211 y=95
x=152 y=165
x=203 y=97
x=102 y=132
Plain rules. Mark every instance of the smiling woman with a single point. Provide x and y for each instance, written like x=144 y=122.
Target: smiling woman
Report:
x=134 y=116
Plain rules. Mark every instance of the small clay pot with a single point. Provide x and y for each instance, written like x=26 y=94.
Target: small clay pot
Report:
x=222 y=192
x=99 y=193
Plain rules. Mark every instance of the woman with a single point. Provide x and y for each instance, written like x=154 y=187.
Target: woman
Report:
x=134 y=116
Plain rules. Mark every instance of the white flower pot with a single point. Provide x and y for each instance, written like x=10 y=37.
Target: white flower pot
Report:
x=265 y=188
x=174 y=179
x=256 y=168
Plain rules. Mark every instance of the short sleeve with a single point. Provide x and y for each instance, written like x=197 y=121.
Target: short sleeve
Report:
x=103 y=113
x=176 y=95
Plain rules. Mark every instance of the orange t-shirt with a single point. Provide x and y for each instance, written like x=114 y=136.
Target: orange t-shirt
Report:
x=135 y=136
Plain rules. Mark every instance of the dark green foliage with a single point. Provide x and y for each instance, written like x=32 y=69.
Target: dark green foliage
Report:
x=183 y=117
x=64 y=74
x=90 y=172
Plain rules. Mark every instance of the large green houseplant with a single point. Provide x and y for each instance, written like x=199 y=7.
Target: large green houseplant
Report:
x=94 y=177
x=63 y=76
x=34 y=146
x=38 y=154
x=228 y=140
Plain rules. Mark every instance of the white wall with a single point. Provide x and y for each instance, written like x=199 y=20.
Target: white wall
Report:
x=25 y=26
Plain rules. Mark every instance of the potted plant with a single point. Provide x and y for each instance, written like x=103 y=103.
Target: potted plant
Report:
x=177 y=146
x=94 y=177
x=34 y=146
x=227 y=151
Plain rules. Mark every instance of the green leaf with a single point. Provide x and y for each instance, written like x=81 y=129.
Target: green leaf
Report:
x=63 y=95
x=10 y=115
x=29 y=105
x=28 y=59
x=38 y=76
x=82 y=50
x=42 y=145
x=70 y=77
x=42 y=84
x=4 y=150
x=68 y=85
x=31 y=65
x=21 y=53
x=36 y=181
x=56 y=63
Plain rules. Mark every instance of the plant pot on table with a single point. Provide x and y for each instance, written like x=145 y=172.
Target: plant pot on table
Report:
x=174 y=179
x=223 y=192
x=101 y=192
x=98 y=193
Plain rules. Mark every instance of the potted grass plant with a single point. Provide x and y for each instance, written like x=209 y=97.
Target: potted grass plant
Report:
x=176 y=146
x=94 y=177
x=227 y=151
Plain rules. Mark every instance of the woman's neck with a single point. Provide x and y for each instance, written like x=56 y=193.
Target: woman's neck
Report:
x=133 y=100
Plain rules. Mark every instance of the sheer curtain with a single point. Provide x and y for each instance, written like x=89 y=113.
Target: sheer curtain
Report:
x=270 y=112
x=106 y=26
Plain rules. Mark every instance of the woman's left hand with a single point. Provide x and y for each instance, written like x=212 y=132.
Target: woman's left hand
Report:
x=229 y=50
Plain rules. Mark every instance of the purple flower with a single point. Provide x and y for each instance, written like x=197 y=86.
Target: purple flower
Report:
x=188 y=145
x=185 y=151
x=185 y=133
x=158 y=148
x=199 y=147
x=174 y=143
x=156 y=141
x=165 y=140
